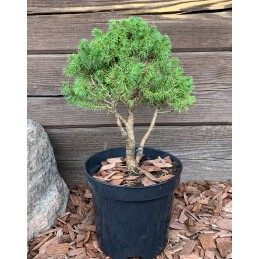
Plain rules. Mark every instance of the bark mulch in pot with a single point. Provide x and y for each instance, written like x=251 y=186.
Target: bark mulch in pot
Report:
x=151 y=171
x=201 y=226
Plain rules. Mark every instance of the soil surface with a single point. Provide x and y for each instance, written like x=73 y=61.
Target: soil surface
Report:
x=200 y=226
x=150 y=171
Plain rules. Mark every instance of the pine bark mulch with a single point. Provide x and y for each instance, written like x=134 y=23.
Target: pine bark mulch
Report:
x=200 y=228
x=114 y=171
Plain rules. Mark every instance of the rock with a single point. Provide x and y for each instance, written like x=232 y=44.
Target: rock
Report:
x=47 y=193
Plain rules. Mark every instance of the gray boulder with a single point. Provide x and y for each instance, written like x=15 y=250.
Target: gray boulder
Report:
x=47 y=193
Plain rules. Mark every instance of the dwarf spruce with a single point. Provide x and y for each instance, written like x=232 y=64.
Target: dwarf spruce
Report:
x=130 y=64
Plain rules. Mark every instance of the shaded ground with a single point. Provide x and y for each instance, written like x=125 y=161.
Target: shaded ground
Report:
x=200 y=228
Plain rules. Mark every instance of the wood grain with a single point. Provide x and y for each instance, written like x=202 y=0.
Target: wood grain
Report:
x=213 y=105
x=204 y=150
x=45 y=71
x=215 y=170
x=134 y=7
x=192 y=142
x=62 y=33
x=211 y=74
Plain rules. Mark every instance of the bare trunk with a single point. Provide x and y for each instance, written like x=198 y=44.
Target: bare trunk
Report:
x=127 y=131
x=145 y=137
x=130 y=156
x=130 y=143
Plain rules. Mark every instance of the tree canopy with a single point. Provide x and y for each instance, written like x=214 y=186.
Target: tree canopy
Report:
x=130 y=63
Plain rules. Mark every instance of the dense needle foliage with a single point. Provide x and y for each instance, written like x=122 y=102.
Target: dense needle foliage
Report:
x=131 y=64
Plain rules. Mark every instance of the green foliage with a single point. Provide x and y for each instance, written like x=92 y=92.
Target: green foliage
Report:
x=131 y=64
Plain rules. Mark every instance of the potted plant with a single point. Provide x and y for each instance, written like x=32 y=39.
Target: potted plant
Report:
x=125 y=67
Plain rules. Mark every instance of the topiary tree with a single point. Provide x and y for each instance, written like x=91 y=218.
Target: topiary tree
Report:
x=130 y=64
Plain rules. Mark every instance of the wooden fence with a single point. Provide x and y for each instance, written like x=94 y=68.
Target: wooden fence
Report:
x=200 y=32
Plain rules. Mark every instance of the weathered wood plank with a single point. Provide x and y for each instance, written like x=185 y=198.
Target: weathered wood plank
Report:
x=62 y=33
x=133 y=7
x=213 y=105
x=45 y=71
x=215 y=170
x=211 y=73
x=192 y=142
x=205 y=150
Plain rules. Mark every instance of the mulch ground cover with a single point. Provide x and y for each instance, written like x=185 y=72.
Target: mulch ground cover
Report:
x=114 y=171
x=200 y=228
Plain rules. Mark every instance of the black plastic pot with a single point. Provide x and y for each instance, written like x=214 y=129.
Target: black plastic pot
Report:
x=131 y=222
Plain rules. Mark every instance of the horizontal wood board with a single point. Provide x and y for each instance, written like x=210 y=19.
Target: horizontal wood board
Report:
x=206 y=150
x=62 y=33
x=207 y=68
x=212 y=106
x=133 y=7
x=211 y=74
x=217 y=170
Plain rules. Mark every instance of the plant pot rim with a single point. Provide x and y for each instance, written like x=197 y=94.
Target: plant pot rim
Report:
x=157 y=185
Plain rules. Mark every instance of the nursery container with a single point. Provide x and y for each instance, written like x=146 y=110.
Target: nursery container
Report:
x=131 y=221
